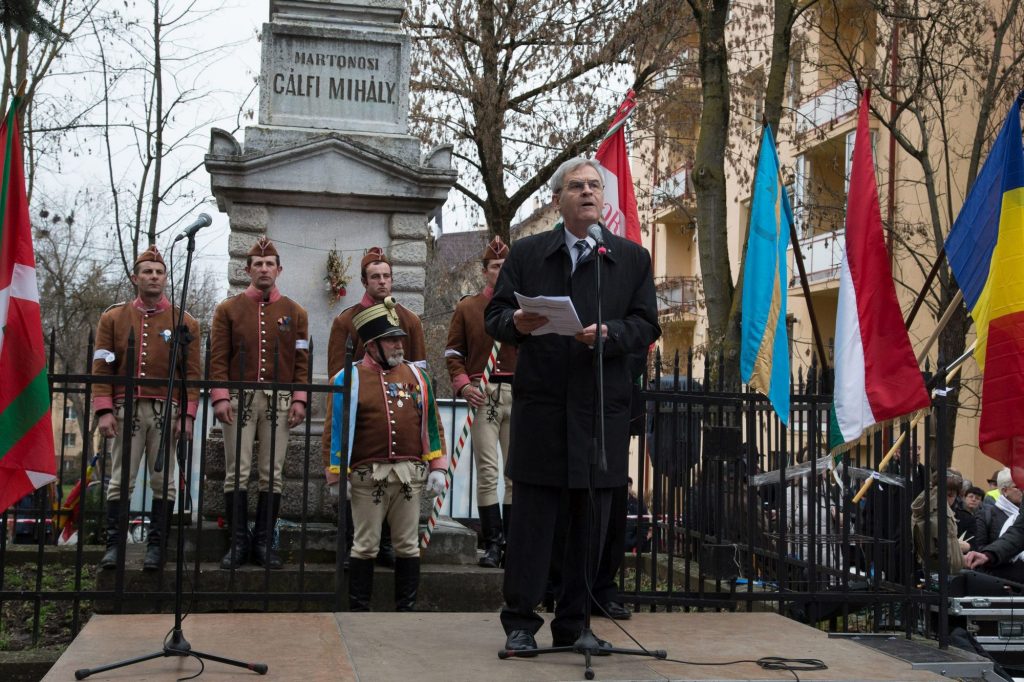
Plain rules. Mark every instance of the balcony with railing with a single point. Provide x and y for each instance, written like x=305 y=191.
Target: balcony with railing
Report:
x=675 y=188
x=827 y=106
x=677 y=296
x=823 y=255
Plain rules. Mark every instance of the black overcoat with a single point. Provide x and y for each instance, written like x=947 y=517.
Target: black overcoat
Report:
x=554 y=390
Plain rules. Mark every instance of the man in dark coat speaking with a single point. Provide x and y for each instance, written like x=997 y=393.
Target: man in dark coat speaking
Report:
x=554 y=414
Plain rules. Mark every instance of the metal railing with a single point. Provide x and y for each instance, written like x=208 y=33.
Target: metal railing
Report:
x=676 y=295
x=740 y=519
x=823 y=256
x=712 y=528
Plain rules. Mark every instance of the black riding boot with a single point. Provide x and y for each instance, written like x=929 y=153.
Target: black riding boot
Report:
x=490 y=529
x=263 y=553
x=407 y=582
x=360 y=584
x=159 y=532
x=114 y=538
x=236 y=507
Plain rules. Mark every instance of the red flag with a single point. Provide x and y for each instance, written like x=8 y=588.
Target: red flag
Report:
x=26 y=437
x=620 y=215
x=71 y=511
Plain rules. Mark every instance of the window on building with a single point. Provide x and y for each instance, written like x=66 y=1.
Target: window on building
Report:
x=70 y=439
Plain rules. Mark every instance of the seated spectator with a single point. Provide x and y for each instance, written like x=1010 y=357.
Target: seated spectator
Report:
x=993 y=492
x=1003 y=557
x=925 y=512
x=972 y=499
x=964 y=519
x=989 y=523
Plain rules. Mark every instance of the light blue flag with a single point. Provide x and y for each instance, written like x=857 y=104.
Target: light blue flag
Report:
x=764 y=347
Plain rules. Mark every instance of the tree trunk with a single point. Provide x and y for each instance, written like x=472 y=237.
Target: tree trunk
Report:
x=709 y=183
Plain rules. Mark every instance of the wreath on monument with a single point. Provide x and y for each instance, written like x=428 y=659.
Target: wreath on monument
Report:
x=337 y=275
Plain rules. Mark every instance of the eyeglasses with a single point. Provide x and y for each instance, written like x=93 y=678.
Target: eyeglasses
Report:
x=577 y=186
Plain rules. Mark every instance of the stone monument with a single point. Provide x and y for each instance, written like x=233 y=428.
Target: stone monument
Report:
x=331 y=163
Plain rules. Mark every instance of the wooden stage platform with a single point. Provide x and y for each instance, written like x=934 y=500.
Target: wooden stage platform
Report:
x=429 y=647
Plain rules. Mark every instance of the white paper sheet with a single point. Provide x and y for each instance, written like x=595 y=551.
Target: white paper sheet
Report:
x=561 y=314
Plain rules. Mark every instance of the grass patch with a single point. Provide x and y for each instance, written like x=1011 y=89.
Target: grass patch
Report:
x=18 y=618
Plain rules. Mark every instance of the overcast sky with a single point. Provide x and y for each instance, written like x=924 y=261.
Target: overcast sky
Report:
x=82 y=167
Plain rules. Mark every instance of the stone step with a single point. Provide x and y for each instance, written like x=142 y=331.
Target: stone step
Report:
x=451 y=543
x=443 y=587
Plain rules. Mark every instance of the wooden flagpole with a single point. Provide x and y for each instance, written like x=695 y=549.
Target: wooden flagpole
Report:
x=903 y=436
x=435 y=511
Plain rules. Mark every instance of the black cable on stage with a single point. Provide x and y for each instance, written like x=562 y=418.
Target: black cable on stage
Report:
x=790 y=665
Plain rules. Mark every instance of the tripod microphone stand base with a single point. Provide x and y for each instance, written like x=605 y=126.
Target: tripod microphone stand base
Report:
x=586 y=644
x=177 y=645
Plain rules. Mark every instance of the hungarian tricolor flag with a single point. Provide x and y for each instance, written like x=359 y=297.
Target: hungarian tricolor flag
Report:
x=26 y=437
x=619 y=214
x=877 y=378
x=985 y=249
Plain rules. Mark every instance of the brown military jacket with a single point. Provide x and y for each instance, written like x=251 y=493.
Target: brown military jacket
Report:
x=389 y=419
x=260 y=327
x=469 y=345
x=153 y=328
x=343 y=328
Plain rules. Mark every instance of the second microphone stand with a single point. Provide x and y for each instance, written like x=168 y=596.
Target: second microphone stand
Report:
x=175 y=643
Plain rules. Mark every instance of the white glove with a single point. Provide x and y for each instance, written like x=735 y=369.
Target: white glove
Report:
x=435 y=483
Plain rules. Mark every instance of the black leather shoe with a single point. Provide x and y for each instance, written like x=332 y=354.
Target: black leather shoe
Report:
x=603 y=647
x=522 y=643
x=612 y=609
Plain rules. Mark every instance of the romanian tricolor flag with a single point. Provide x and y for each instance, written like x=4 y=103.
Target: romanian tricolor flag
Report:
x=764 y=347
x=877 y=377
x=27 y=461
x=985 y=249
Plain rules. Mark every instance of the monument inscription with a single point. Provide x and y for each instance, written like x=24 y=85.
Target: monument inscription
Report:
x=346 y=81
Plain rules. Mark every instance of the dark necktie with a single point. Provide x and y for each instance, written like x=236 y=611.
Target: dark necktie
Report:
x=582 y=247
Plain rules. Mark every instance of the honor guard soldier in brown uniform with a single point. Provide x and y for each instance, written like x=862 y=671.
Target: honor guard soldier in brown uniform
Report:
x=152 y=318
x=395 y=438
x=268 y=333
x=375 y=274
x=466 y=354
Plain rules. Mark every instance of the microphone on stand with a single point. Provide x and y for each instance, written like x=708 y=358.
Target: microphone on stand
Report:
x=202 y=221
x=595 y=233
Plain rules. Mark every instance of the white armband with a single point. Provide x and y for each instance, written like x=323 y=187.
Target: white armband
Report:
x=104 y=354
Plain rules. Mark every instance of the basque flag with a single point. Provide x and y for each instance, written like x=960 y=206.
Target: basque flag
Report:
x=27 y=459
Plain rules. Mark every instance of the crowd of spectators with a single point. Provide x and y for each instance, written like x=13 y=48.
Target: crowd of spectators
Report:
x=982 y=528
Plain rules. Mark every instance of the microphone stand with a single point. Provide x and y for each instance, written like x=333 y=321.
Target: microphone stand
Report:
x=587 y=643
x=176 y=644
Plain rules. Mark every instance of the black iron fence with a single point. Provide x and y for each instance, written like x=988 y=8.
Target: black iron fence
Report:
x=747 y=514
x=732 y=510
